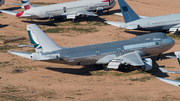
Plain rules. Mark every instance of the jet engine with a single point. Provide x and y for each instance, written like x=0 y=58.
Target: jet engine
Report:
x=36 y=56
x=148 y=64
x=99 y=9
x=39 y=56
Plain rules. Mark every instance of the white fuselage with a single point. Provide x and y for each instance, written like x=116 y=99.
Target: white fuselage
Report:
x=64 y=9
x=156 y=23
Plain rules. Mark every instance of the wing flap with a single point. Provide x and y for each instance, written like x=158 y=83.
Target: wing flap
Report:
x=72 y=14
x=142 y=17
x=132 y=58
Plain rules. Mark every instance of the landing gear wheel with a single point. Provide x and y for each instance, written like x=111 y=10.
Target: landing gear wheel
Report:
x=159 y=57
x=106 y=69
x=107 y=12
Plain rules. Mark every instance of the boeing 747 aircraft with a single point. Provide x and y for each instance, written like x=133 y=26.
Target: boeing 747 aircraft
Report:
x=135 y=22
x=126 y=52
x=67 y=10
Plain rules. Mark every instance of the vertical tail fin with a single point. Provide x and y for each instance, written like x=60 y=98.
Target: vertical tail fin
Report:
x=40 y=40
x=128 y=13
x=177 y=56
x=26 y=4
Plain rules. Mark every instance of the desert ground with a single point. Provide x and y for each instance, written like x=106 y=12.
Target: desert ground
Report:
x=22 y=79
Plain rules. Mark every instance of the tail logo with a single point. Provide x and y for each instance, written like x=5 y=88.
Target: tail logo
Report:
x=19 y=14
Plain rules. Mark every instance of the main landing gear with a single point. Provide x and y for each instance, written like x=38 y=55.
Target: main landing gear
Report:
x=159 y=57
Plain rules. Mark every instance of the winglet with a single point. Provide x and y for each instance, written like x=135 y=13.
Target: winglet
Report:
x=128 y=13
x=172 y=82
x=40 y=39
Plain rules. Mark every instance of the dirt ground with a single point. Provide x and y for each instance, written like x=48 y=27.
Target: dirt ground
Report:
x=23 y=79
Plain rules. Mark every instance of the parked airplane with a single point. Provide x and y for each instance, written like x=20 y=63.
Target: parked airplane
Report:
x=1 y=2
x=127 y=52
x=135 y=22
x=172 y=82
x=67 y=10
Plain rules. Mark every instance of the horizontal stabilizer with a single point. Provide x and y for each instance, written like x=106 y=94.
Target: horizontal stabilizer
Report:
x=172 y=82
x=26 y=46
x=22 y=54
x=22 y=5
x=15 y=4
x=9 y=12
x=117 y=24
x=142 y=17
x=166 y=71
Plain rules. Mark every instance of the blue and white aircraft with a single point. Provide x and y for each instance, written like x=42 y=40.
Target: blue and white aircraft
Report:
x=135 y=22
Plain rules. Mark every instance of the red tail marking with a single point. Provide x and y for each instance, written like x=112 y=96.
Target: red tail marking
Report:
x=19 y=14
x=27 y=6
x=105 y=1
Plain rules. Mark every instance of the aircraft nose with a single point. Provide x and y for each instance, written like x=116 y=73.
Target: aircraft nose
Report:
x=169 y=41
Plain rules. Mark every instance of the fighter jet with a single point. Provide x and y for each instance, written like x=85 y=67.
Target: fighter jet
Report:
x=135 y=22
x=68 y=10
x=112 y=54
x=172 y=82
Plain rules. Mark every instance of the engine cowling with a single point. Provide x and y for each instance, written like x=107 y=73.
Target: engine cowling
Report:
x=148 y=64
x=36 y=56
x=39 y=56
x=99 y=9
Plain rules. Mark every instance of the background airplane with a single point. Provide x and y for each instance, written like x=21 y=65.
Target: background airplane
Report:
x=68 y=10
x=135 y=22
x=112 y=54
x=1 y=2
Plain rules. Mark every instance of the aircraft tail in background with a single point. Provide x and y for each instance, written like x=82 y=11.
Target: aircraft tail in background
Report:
x=128 y=13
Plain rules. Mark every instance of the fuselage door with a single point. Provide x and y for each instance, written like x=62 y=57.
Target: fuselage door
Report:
x=64 y=9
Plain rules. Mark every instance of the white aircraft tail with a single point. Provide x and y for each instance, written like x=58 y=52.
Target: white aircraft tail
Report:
x=40 y=40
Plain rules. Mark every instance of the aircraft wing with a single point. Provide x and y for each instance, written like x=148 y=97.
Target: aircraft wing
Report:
x=76 y=12
x=86 y=13
x=132 y=58
x=15 y=13
x=9 y=12
x=173 y=29
x=166 y=71
x=142 y=17
x=172 y=82
x=117 y=24
x=22 y=54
